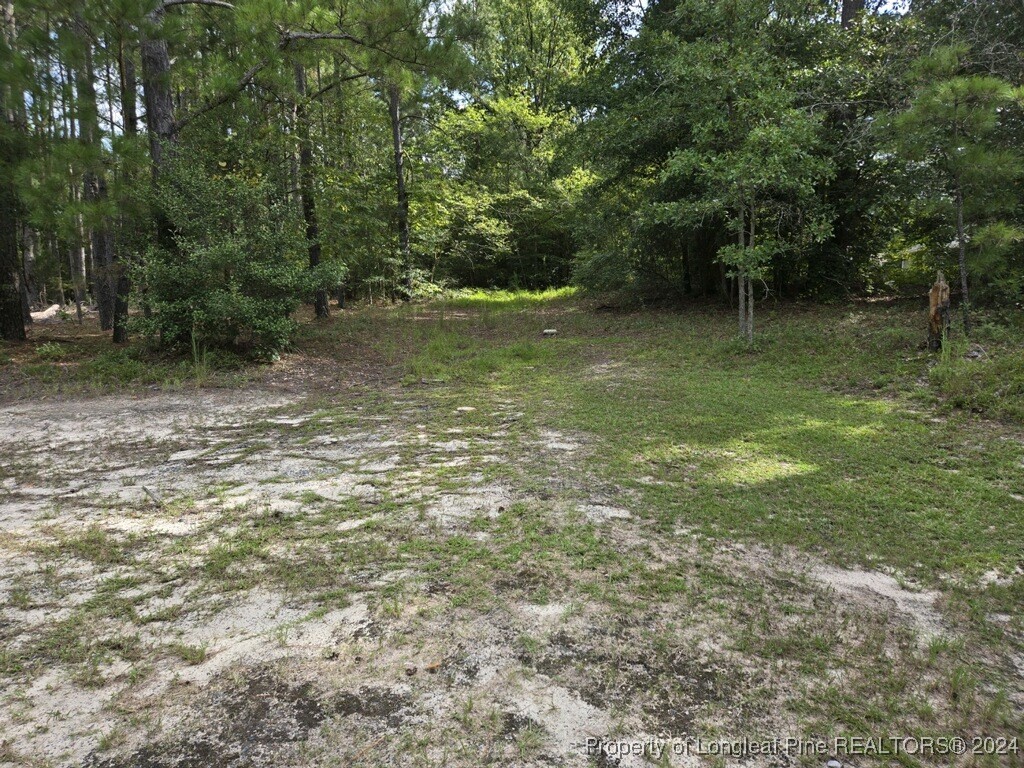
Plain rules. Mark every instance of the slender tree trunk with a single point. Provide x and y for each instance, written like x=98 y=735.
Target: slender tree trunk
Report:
x=122 y=284
x=156 y=91
x=307 y=186
x=77 y=263
x=962 y=259
x=12 y=322
x=394 y=110
x=741 y=281
x=28 y=261
x=94 y=185
x=750 y=285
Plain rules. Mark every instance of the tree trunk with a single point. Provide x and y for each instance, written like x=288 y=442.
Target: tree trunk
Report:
x=750 y=285
x=122 y=286
x=307 y=186
x=77 y=263
x=850 y=10
x=28 y=261
x=12 y=322
x=394 y=110
x=938 y=313
x=94 y=184
x=962 y=259
x=156 y=89
x=741 y=279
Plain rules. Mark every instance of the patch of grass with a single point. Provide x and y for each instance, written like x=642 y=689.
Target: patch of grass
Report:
x=51 y=351
x=983 y=378
x=190 y=654
x=74 y=358
x=97 y=545
x=452 y=356
x=475 y=298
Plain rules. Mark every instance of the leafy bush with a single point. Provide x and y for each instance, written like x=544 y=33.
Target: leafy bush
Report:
x=235 y=271
x=51 y=350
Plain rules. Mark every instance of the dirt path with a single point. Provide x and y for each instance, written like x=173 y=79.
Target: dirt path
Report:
x=244 y=578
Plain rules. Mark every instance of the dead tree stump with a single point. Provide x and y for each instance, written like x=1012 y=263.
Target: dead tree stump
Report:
x=938 y=312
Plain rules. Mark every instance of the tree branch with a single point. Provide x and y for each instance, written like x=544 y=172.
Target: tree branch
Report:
x=218 y=3
x=348 y=78
x=247 y=78
x=289 y=35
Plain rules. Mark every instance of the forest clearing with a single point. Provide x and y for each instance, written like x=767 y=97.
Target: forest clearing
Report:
x=513 y=383
x=457 y=542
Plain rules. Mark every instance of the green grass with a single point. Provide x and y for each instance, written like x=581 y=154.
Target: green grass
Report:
x=836 y=436
x=78 y=359
x=986 y=376
x=476 y=298
x=825 y=436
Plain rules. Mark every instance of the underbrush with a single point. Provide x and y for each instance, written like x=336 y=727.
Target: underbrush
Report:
x=73 y=361
x=985 y=376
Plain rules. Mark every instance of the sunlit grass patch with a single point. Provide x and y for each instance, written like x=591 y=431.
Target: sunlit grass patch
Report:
x=502 y=299
x=746 y=466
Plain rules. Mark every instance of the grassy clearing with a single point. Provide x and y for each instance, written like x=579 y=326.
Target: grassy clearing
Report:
x=832 y=438
x=826 y=436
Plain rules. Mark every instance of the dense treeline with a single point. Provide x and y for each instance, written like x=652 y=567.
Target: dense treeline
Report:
x=196 y=169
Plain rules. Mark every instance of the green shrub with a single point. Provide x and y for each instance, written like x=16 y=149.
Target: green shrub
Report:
x=236 y=269
x=51 y=350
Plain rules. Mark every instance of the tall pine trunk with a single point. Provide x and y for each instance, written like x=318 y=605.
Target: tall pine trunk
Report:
x=122 y=286
x=94 y=184
x=741 y=280
x=156 y=89
x=307 y=186
x=12 y=322
x=394 y=110
x=28 y=263
x=76 y=261
x=851 y=8
x=750 y=284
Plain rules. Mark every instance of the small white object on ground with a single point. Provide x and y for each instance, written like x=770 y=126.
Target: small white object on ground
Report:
x=51 y=311
x=550 y=331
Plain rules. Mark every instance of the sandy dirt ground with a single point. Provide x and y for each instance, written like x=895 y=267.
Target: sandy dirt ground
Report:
x=246 y=578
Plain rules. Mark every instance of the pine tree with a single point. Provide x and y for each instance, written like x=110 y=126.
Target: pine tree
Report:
x=951 y=125
x=12 y=321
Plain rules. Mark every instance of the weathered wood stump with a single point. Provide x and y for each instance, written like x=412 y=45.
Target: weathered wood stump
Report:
x=938 y=312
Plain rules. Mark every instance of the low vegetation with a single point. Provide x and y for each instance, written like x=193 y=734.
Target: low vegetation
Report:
x=660 y=527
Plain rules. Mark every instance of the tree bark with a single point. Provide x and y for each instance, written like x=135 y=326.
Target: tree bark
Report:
x=79 y=278
x=394 y=110
x=962 y=260
x=750 y=284
x=28 y=261
x=12 y=322
x=851 y=8
x=307 y=186
x=741 y=280
x=156 y=89
x=129 y=114
x=94 y=183
x=938 y=313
